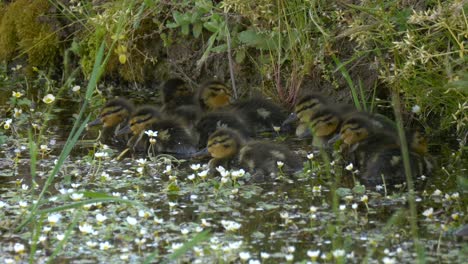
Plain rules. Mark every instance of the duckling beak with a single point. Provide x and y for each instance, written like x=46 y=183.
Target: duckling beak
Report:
x=287 y=125
x=95 y=122
x=202 y=153
x=291 y=118
x=125 y=130
x=334 y=139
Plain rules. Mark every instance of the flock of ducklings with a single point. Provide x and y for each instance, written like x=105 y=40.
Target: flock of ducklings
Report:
x=209 y=121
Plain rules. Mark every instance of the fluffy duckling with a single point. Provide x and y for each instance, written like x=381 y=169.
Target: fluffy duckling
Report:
x=214 y=95
x=178 y=102
x=385 y=166
x=172 y=137
x=175 y=93
x=306 y=107
x=114 y=115
x=324 y=123
x=258 y=157
x=259 y=113
x=375 y=148
x=210 y=122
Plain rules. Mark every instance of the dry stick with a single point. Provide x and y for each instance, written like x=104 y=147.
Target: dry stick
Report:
x=231 y=63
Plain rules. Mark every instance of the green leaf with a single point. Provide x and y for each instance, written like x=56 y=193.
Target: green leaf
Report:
x=342 y=192
x=359 y=189
x=197 y=29
x=240 y=55
x=96 y=195
x=211 y=26
x=220 y=48
x=177 y=17
x=172 y=25
x=185 y=29
x=258 y=40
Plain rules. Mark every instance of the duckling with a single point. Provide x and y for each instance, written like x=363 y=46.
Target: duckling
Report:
x=172 y=138
x=324 y=123
x=385 y=166
x=223 y=145
x=214 y=95
x=259 y=113
x=376 y=151
x=113 y=116
x=306 y=107
x=258 y=157
x=211 y=121
x=175 y=92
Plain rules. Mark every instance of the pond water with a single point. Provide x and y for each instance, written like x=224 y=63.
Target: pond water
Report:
x=148 y=209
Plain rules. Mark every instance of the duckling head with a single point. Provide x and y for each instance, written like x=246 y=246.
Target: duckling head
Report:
x=176 y=91
x=141 y=120
x=354 y=130
x=418 y=142
x=224 y=143
x=214 y=95
x=308 y=104
x=324 y=122
x=116 y=111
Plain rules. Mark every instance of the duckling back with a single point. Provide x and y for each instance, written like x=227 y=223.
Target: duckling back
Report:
x=210 y=122
x=260 y=114
x=265 y=159
x=386 y=167
x=173 y=138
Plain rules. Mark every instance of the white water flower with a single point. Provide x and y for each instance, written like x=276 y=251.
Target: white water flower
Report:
x=313 y=254
x=350 y=167
x=60 y=237
x=313 y=209
x=230 y=225
x=184 y=231
x=168 y=169
x=416 y=109
x=141 y=162
x=76 y=196
x=76 y=88
x=338 y=253
x=195 y=167
x=48 y=99
x=364 y=199
x=429 y=213
x=91 y=244
x=54 y=218
x=176 y=246
x=151 y=133
x=310 y=156
x=101 y=218
x=105 y=245
x=280 y=164
x=19 y=248
x=289 y=257
x=244 y=256
x=131 y=220
x=203 y=174
x=191 y=177
x=264 y=255
x=101 y=155
x=238 y=173
x=86 y=228
x=7 y=124
x=17 y=94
